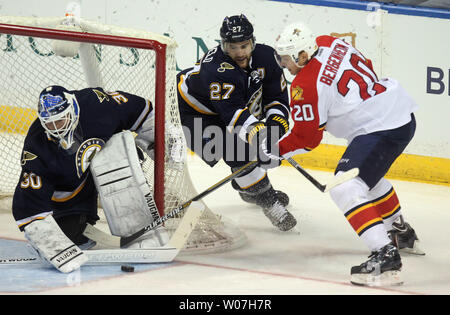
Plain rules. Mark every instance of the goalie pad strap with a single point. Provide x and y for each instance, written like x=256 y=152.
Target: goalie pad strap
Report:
x=122 y=187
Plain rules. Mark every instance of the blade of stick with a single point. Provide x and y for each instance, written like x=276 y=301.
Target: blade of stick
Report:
x=187 y=225
x=107 y=256
x=100 y=237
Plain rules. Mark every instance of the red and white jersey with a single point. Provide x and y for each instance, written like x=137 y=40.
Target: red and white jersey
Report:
x=338 y=91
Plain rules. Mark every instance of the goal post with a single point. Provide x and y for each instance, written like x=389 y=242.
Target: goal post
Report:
x=38 y=52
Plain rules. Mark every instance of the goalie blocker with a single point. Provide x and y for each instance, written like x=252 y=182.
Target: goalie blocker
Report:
x=124 y=193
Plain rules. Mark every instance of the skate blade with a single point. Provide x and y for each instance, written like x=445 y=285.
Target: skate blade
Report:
x=387 y=278
x=412 y=251
x=415 y=250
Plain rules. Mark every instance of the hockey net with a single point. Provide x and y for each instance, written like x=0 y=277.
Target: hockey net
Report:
x=38 y=52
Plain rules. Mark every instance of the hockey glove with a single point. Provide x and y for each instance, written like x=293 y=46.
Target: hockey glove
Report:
x=175 y=149
x=256 y=133
x=268 y=159
x=257 y=138
x=277 y=126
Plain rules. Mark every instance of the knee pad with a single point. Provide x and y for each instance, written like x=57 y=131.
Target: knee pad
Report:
x=381 y=188
x=350 y=194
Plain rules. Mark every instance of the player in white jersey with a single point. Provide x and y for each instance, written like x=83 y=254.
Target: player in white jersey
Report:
x=337 y=90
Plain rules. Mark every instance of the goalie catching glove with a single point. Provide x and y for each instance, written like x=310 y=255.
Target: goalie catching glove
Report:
x=175 y=148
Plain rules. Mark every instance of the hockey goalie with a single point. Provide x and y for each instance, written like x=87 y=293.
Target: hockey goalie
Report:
x=81 y=149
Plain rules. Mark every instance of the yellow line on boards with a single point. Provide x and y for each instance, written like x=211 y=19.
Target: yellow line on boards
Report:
x=411 y=167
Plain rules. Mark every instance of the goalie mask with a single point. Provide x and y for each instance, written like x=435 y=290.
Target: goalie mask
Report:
x=235 y=29
x=58 y=112
x=294 y=39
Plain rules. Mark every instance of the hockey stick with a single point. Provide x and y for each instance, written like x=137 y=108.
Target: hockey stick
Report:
x=107 y=256
x=336 y=180
x=162 y=254
x=166 y=253
x=114 y=241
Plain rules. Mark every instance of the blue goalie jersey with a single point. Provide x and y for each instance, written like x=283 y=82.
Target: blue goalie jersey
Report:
x=57 y=181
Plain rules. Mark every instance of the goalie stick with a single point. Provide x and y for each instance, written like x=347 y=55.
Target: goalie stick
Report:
x=162 y=254
x=115 y=241
x=336 y=180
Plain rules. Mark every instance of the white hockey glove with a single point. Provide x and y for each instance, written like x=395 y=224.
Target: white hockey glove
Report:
x=146 y=136
x=175 y=148
x=53 y=245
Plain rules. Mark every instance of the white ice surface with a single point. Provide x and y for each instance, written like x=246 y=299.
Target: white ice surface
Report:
x=314 y=259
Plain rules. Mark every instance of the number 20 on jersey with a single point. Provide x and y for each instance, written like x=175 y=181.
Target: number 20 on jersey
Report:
x=303 y=112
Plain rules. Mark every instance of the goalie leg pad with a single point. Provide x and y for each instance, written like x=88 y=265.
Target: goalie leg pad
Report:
x=50 y=242
x=123 y=189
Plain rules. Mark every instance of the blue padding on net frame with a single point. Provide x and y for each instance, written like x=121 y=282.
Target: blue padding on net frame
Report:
x=373 y=6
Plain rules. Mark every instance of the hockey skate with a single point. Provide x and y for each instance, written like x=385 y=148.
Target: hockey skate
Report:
x=405 y=238
x=273 y=202
x=274 y=209
x=282 y=198
x=382 y=268
x=251 y=195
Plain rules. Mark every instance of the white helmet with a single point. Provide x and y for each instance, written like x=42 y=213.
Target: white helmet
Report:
x=295 y=38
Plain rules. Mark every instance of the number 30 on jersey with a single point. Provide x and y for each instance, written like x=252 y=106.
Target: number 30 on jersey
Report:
x=31 y=180
x=303 y=112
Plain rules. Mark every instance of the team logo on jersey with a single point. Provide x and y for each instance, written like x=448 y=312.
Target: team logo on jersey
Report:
x=225 y=66
x=27 y=156
x=86 y=153
x=101 y=96
x=297 y=93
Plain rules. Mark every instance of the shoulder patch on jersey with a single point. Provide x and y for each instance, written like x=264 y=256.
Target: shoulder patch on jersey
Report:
x=101 y=95
x=27 y=156
x=225 y=66
x=297 y=93
x=325 y=40
x=86 y=153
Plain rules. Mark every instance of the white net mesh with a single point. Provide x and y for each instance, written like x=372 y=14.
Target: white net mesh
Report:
x=29 y=63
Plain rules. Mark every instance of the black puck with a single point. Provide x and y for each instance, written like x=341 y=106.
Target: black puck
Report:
x=127 y=268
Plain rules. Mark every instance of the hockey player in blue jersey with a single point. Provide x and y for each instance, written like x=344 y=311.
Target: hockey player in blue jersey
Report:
x=234 y=97
x=57 y=194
